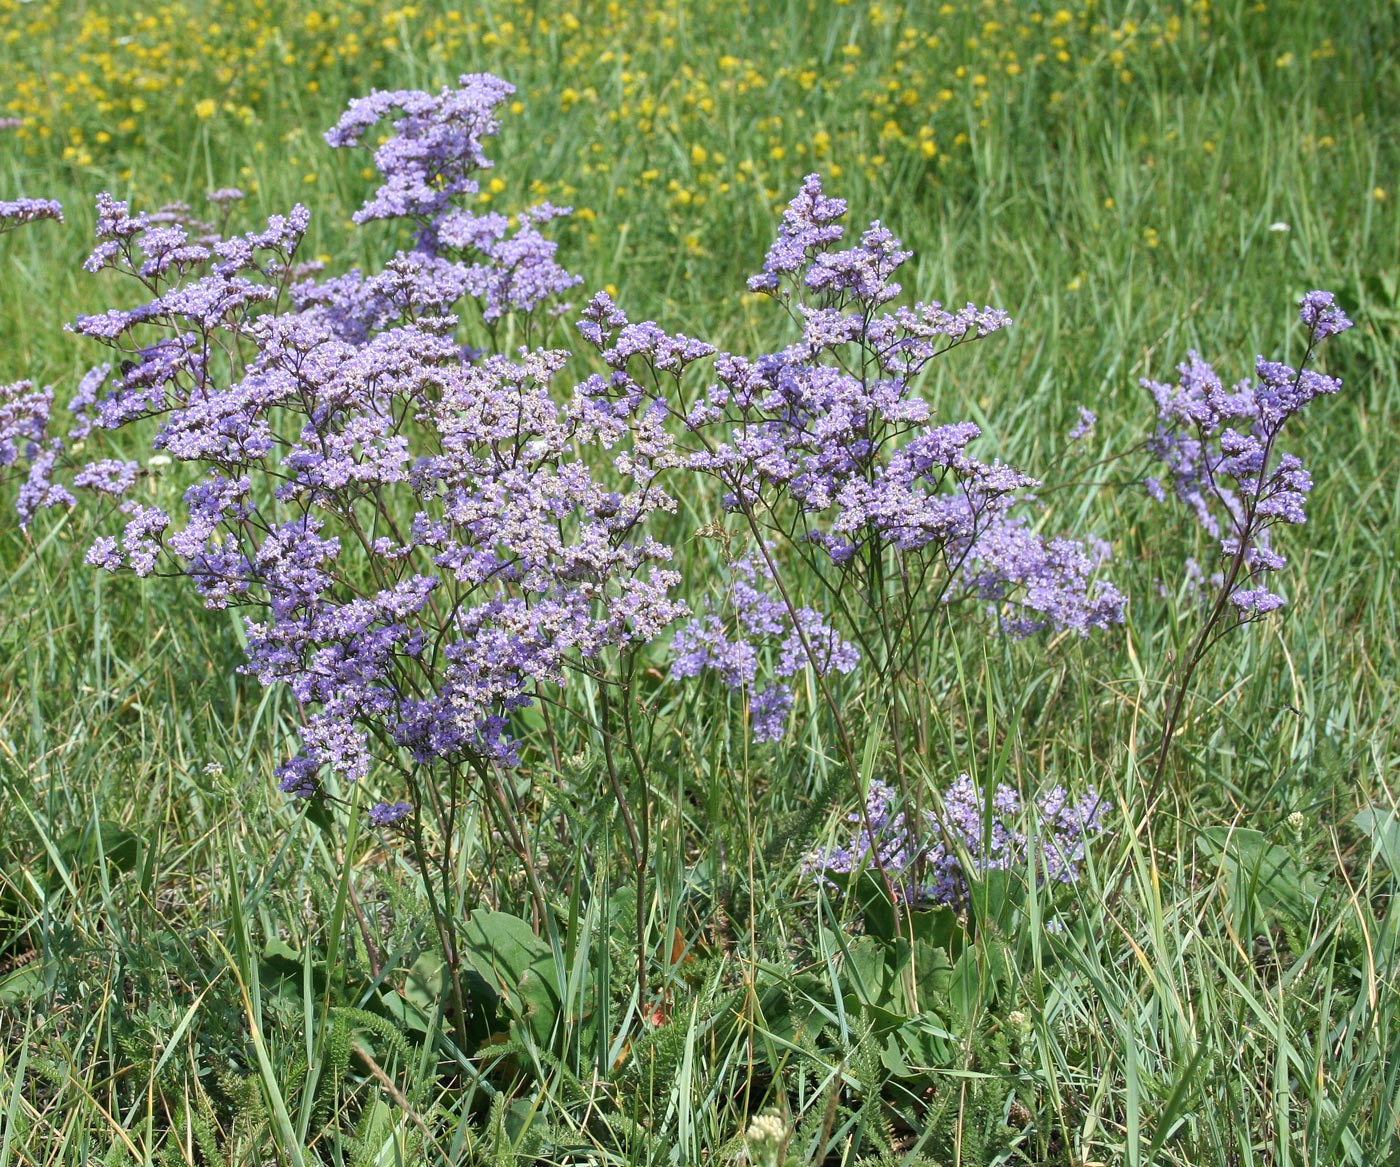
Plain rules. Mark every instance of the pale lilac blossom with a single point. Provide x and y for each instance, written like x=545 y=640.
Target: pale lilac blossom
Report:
x=1220 y=448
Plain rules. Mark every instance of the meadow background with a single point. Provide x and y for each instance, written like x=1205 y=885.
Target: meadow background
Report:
x=179 y=978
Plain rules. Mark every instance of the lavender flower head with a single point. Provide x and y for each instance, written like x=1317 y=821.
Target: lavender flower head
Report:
x=16 y=212
x=385 y=814
x=24 y=420
x=932 y=861
x=436 y=145
x=426 y=163
x=27 y=446
x=1220 y=450
x=732 y=639
x=1037 y=583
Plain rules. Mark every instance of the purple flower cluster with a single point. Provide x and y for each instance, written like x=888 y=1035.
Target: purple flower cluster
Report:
x=24 y=437
x=1221 y=453
x=931 y=861
x=1084 y=426
x=427 y=162
x=833 y=425
x=24 y=420
x=426 y=165
x=386 y=814
x=423 y=530
x=730 y=642
x=16 y=212
x=1041 y=583
x=24 y=411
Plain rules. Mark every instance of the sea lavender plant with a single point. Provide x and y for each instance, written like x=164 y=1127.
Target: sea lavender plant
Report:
x=511 y=557
x=826 y=449
x=1221 y=452
x=930 y=859
x=421 y=529
x=833 y=424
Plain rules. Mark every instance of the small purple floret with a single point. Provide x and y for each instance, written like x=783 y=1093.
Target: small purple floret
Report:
x=385 y=814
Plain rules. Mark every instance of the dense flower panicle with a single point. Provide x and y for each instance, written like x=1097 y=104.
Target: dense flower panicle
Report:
x=24 y=420
x=833 y=424
x=1221 y=453
x=17 y=212
x=810 y=225
x=750 y=623
x=25 y=439
x=25 y=411
x=1320 y=315
x=605 y=326
x=151 y=244
x=517 y=271
x=384 y=814
x=1047 y=583
x=39 y=490
x=426 y=163
x=863 y=273
x=933 y=861
x=1258 y=600
x=428 y=160
x=768 y=713
x=350 y=304
x=108 y=476
x=422 y=532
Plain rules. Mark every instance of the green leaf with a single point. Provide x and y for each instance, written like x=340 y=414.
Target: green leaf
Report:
x=1262 y=879
x=982 y=974
x=280 y=970
x=933 y=972
x=795 y=1007
x=25 y=983
x=16 y=917
x=426 y=983
x=1382 y=827
x=80 y=848
x=872 y=899
x=938 y=927
x=518 y=965
x=922 y=1044
x=425 y=992
x=319 y=814
x=996 y=897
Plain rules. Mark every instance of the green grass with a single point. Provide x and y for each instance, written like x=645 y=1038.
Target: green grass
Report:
x=193 y=972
